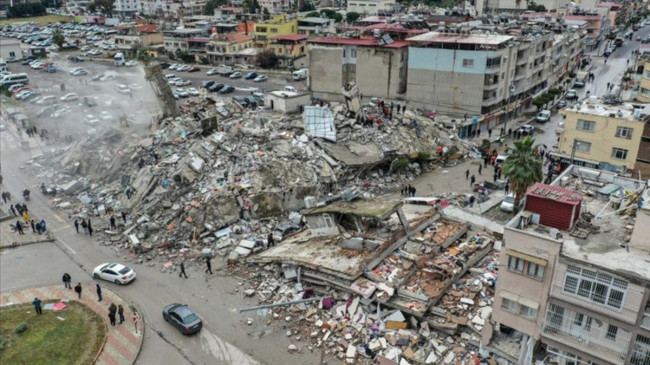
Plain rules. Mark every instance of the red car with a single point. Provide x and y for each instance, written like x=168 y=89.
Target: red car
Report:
x=21 y=89
x=194 y=69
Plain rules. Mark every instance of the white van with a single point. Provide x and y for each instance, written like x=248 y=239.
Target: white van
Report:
x=300 y=74
x=3 y=65
x=290 y=88
x=12 y=79
x=119 y=59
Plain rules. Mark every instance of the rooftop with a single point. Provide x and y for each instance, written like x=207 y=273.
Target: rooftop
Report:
x=380 y=208
x=367 y=42
x=290 y=37
x=316 y=20
x=436 y=37
x=597 y=237
x=557 y=193
x=596 y=106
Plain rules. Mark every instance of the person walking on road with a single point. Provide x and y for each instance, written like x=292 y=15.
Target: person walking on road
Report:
x=270 y=242
x=507 y=187
x=19 y=227
x=120 y=312
x=480 y=168
x=99 y=293
x=209 y=265
x=13 y=210
x=77 y=289
x=90 y=228
x=471 y=181
x=76 y=225
x=182 y=273
x=84 y=225
x=124 y=216
x=112 y=220
x=112 y=310
x=67 y=281
x=37 y=306
x=467 y=174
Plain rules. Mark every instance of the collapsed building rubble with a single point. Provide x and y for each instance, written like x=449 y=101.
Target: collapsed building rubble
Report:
x=401 y=283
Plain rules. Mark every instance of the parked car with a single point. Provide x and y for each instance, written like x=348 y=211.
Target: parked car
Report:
x=183 y=68
x=182 y=93
x=571 y=95
x=183 y=318
x=107 y=77
x=544 y=116
x=17 y=88
x=561 y=104
x=130 y=63
x=105 y=116
x=241 y=100
x=89 y=101
x=261 y=78
x=508 y=203
x=60 y=112
x=226 y=89
x=215 y=87
x=194 y=69
x=526 y=129
x=207 y=83
x=212 y=71
x=235 y=75
x=79 y=71
x=114 y=272
x=123 y=89
x=70 y=97
x=174 y=66
x=251 y=76
x=192 y=91
x=183 y=83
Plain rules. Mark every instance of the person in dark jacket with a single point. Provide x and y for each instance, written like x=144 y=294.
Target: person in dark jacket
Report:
x=99 y=293
x=112 y=310
x=77 y=290
x=37 y=306
x=120 y=312
x=67 y=281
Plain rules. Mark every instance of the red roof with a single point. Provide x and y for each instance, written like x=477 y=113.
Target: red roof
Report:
x=147 y=28
x=556 y=193
x=199 y=40
x=367 y=42
x=290 y=37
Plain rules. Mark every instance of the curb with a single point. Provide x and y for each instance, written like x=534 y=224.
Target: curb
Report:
x=17 y=244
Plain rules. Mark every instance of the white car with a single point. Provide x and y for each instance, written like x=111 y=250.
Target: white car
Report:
x=261 y=78
x=183 y=68
x=107 y=77
x=192 y=91
x=59 y=112
x=84 y=48
x=130 y=63
x=70 y=97
x=235 y=75
x=79 y=72
x=91 y=120
x=114 y=272
x=174 y=66
x=47 y=100
x=544 y=116
x=37 y=65
x=182 y=93
x=105 y=116
x=508 y=203
x=123 y=89
x=174 y=80
x=183 y=82
x=135 y=86
x=212 y=71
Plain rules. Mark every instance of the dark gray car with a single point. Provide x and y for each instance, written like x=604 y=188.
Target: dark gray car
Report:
x=183 y=318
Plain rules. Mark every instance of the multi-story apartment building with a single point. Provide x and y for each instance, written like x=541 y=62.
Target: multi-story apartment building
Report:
x=597 y=22
x=181 y=38
x=230 y=48
x=602 y=136
x=491 y=6
x=574 y=276
x=130 y=38
x=278 y=25
x=333 y=63
x=289 y=48
x=644 y=83
x=371 y=7
x=126 y=7
x=276 y=6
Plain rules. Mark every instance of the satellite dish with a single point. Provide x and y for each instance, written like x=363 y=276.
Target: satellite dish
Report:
x=387 y=39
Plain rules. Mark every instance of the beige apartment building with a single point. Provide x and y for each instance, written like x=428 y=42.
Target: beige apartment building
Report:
x=602 y=136
x=574 y=277
x=644 y=84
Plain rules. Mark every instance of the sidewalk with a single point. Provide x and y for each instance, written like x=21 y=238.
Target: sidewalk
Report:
x=122 y=344
x=13 y=239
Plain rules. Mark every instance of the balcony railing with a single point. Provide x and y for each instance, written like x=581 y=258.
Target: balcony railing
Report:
x=592 y=339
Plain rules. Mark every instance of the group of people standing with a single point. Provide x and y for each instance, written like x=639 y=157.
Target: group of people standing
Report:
x=86 y=225
x=408 y=190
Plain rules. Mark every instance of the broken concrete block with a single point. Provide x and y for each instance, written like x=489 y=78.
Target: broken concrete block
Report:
x=354 y=243
x=292 y=348
x=351 y=351
x=449 y=358
x=432 y=358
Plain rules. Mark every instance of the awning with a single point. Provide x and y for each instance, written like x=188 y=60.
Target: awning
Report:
x=508 y=295
x=526 y=257
x=521 y=300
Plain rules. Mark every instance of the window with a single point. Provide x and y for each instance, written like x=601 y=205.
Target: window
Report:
x=515 y=264
x=493 y=62
x=12 y=54
x=534 y=270
x=641 y=351
x=468 y=62
x=274 y=30
x=647 y=74
x=645 y=92
x=527 y=311
x=611 y=332
x=583 y=146
x=600 y=288
x=623 y=132
x=619 y=153
x=353 y=53
x=586 y=125
x=509 y=305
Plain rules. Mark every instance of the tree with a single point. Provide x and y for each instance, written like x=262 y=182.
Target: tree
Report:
x=92 y=7
x=251 y=5
x=313 y=14
x=523 y=167
x=267 y=59
x=143 y=57
x=25 y=9
x=209 y=7
x=105 y=6
x=331 y=14
x=306 y=5
x=352 y=17
x=58 y=38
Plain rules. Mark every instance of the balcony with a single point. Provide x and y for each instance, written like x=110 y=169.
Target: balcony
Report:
x=489 y=101
x=586 y=334
x=522 y=61
x=519 y=76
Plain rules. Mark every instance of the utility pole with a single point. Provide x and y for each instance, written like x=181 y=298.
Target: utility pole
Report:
x=511 y=91
x=573 y=150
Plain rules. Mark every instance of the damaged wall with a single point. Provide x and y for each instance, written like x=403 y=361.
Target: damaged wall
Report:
x=325 y=75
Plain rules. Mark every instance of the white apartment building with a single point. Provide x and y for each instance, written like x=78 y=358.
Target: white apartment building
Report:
x=126 y=7
x=371 y=7
x=574 y=277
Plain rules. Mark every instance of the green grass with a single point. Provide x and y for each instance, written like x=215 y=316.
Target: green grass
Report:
x=42 y=20
x=48 y=340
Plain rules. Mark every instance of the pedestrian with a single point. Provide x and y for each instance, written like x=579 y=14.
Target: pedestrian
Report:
x=112 y=220
x=120 y=312
x=37 y=306
x=270 y=242
x=99 y=293
x=39 y=228
x=509 y=132
x=412 y=191
x=67 y=281
x=19 y=227
x=76 y=225
x=124 y=216
x=90 y=228
x=467 y=174
x=471 y=181
x=13 y=210
x=8 y=196
x=182 y=273
x=77 y=289
x=507 y=187
x=4 y=197
x=495 y=177
x=31 y=222
x=480 y=168
x=471 y=201
x=135 y=321
x=26 y=216
x=84 y=225
x=112 y=310
x=209 y=265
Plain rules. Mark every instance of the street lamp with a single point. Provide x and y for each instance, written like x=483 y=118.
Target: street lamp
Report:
x=511 y=91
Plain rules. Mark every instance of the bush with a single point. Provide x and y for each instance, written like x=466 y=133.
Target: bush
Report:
x=21 y=327
x=424 y=156
x=572 y=74
x=554 y=91
x=485 y=144
x=3 y=343
x=399 y=163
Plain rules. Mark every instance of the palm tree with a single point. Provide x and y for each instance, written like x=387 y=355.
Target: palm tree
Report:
x=58 y=38
x=523 y=167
